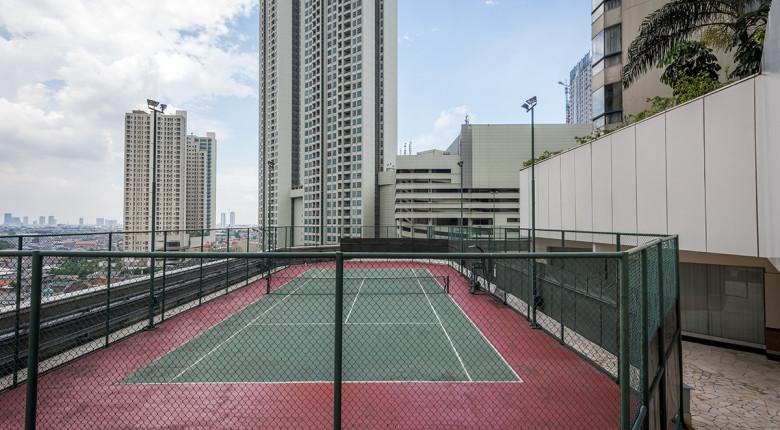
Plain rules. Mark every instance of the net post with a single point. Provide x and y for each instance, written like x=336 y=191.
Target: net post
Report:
x=624 y=377
x=152 y=300
x=268 y=283
x=448 y=284
x=31 y=401
x=17 y=311
x=337 y=344
x=108 y=292
x=661 y=330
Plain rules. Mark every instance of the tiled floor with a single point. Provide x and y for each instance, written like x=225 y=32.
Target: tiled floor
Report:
x=731 y=389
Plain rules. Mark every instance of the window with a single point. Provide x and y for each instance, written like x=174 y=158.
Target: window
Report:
x=608 y=105
x=607 y=44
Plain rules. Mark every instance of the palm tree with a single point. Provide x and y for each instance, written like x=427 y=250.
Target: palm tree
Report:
x=739 y=23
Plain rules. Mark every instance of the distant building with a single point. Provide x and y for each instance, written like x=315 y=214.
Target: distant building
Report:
x=25 y=220
x=100 y=222
x=232 y=218
x=201 y=181
x=171 y=175
x=81 y=221
x=41 y=220
x=580 y=103
x=428 y=184
x=8 y=218
x=328 y=96
x=52 y=220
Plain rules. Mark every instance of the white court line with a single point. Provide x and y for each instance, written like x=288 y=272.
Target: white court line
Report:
x=483 y=335
x=323 y=382
x=352 y=323
x=355 y=300
x=219 y=345
x=444 y=330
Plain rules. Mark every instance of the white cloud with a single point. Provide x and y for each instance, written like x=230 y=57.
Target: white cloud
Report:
x=445 y=128
x=490 y=2
x=72 y=68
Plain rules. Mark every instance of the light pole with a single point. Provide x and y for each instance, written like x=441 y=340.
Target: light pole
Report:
x=529 y=106
x=567 y=89
x=155 y=107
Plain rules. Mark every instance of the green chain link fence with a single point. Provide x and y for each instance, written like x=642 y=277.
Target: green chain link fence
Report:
x=342 y=340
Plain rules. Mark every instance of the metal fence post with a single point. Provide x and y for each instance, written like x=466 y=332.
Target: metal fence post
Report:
x=678 y=330
x=337 y=344
x=227 y=261
x=152 y=299
x=108 y=290
x=165 y=268
x=624 y=364
x=643 y=320
x=200 y=280
x=17 y=311
x=247 y=260
x=661 y=330
x=617 y=242
x=33 y=342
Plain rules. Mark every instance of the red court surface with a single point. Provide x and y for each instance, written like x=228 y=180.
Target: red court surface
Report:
x=559 y=390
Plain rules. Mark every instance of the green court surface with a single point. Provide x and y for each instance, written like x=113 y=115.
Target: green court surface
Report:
x=400 y=325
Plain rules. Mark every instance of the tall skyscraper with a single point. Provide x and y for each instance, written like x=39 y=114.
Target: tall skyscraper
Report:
x=41 y=220
x=223 y=219
x=8 y=218
x=52 y=220
x=201 y=181
x=328 y=97
x=232 y=218
x=81 y=221
x=171 y=175
x=580 y=103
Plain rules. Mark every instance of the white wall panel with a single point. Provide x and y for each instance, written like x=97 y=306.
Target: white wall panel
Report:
x=525 y=198
x=543 y=197
x=554 y=173
x=651 y=175
x=730 y=170
x=583 y=192
x=768 y=165
x=568 y=192
x=685 y=175
x=624 y=184
x=602 y=187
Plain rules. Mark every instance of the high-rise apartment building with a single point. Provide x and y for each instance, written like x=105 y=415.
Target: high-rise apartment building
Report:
x=580 y=102
x=41 y=220
x=615 y=25
x=232 y=218
x=52 y=220
x=327 y=113
x=171 y=175
x=223 y=219
x=201 y=181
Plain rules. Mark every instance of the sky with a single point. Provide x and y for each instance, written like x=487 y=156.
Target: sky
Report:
x=72 y=69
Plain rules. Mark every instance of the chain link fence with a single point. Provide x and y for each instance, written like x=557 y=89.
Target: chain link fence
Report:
x=220 y=339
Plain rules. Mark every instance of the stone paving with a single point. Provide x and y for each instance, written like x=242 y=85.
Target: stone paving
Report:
x=731 y=389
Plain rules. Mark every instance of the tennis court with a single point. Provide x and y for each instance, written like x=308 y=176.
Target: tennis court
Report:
x=399 y=325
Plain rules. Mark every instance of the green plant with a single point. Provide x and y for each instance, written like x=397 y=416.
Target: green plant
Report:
x=688 y=58
x=741 y=21
x=543 y=156
x=691 y=87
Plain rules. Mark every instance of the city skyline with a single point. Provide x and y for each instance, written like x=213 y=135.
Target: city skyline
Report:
x=217 y=85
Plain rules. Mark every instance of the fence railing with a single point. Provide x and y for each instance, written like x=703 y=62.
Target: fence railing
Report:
x=332 y=339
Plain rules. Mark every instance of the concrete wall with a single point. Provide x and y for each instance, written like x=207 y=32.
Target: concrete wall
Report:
x=689 y=171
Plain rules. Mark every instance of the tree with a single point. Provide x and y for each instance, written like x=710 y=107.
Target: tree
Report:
x=742 y=21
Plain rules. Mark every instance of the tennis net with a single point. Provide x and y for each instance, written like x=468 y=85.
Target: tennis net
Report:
x=368 y=285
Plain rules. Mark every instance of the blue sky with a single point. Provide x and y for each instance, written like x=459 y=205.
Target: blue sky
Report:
x=74 y=69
